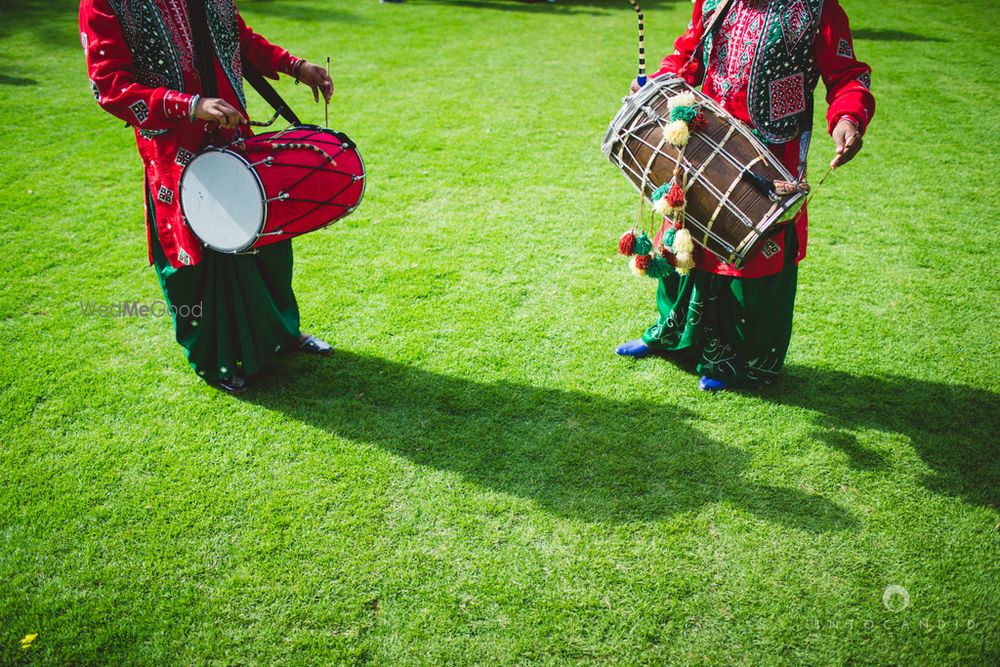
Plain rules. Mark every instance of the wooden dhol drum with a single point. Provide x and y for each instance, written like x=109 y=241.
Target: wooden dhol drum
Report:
x=737 y=192
x=271 y=187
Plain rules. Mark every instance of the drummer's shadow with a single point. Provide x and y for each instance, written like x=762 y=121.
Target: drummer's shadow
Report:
x=952 y=428
x=573 y=454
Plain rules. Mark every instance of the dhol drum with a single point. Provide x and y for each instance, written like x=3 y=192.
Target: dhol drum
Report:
x=271 y=187
x=736 y=191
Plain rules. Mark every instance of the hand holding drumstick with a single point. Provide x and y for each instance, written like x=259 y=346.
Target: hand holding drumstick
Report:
x=847 y=137
x=317 y=78
x=216 y=109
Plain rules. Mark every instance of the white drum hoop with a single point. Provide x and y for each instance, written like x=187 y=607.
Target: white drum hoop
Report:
x=192 y=204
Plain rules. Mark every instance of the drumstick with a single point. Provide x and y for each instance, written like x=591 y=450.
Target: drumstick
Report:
x=829 y=170
x=326 y=110
x=641 y=79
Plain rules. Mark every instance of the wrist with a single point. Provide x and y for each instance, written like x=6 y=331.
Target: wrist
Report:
x=297 y=67
x=847 y=118
x=193 y=107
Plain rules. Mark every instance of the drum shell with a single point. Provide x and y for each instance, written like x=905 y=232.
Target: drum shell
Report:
x=307 y=178
x=304 y=178
x=725 y=213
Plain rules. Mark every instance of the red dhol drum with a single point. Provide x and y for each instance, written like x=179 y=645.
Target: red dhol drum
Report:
x=271 y=187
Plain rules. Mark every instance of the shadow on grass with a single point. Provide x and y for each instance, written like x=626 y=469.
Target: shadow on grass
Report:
x=954 y=429
x=893 y=36
x=308 y=11
x=6 y=80
x=574 y=454
x=51 y=23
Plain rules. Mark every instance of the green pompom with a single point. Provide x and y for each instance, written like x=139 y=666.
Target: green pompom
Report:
x=659 y=268
x=685 y=114
x=660 y=192
x=668 y=237
x=643 y=245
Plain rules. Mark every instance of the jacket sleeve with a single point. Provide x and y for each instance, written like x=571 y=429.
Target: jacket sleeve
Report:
x=269 y=59
x=112 y=74
x=684 y=47
x=847 y=79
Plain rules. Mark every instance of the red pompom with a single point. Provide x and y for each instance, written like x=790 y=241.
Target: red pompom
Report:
x=675 y=197
x=699 y=123
x=626 y=244
x=642 y=262
x=666 y=253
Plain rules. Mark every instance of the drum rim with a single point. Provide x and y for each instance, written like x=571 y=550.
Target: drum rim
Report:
x=633 y=104
x=256 y=180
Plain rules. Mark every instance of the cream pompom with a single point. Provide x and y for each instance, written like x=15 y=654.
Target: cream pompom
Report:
x=682 y=100
x=677 y=133
x=683 y=243
x=684 y=263
x=683 y=251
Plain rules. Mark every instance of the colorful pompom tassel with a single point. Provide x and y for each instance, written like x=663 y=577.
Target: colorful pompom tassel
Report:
x=640 y=264
x=681 y=100
x=665 y=253
x=626 y=244
x=699 y=123
x=684 y=251
x=671 y=199
x=643 y=246
x=684 y=113
x=677 y=133
x=659 y=267
x=683 y=242
x=661 y=191
x=675 y=197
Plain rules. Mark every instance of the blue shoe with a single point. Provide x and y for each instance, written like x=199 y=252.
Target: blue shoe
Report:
x=708 y=384
x=636 y=349
x=312 y=345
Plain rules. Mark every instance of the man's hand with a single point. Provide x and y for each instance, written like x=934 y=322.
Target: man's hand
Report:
x=848 y=140
x=317 y=78
x=634 y=88
x=218 y=110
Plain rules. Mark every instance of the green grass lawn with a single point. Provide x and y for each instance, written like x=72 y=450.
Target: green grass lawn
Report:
x=474 y=477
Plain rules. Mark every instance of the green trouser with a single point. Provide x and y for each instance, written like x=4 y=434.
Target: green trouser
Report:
x=232 y=313
x=738 y=329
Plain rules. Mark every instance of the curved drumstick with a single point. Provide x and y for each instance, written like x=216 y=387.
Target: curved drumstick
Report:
x=277 y=112
x=641 y=79
x=315 y=149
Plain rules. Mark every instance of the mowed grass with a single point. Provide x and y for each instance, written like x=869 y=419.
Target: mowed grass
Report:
x=474 y=477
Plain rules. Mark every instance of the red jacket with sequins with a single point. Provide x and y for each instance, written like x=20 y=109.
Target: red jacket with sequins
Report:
x=140 y=59
x=726 y=77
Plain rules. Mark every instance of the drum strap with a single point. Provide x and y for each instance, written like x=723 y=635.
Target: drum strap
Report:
x=204 y=53
x=707 y=32
x=267 y=91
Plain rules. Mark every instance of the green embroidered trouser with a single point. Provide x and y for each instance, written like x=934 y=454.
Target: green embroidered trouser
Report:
x=232 y=313
x=738 y=329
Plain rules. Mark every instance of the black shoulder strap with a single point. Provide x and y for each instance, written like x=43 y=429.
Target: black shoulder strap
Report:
x=720 y=11
x=267 y=91
x=204 y=54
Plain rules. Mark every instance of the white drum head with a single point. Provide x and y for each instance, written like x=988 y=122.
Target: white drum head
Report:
x=223 y=200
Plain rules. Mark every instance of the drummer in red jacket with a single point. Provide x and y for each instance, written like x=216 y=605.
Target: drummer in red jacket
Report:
x=761 y=62
x=172 y=69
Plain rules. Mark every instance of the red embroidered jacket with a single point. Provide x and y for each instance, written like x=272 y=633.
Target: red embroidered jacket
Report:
x=726 y=78
x=140 y=59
